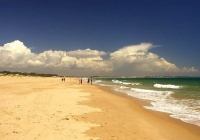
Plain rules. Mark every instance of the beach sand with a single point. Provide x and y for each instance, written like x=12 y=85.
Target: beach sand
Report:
x=35 y=108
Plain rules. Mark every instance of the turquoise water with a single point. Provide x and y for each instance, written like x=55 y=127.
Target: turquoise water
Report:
x=180 y=97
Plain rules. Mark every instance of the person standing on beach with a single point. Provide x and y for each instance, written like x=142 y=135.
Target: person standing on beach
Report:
x=80 y=81
x=91 y=80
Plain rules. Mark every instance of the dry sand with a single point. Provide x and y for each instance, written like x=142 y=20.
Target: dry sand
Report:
x=42 y=109
x=35 y=108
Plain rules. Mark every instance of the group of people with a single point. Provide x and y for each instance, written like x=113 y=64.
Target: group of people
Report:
x=63 y=79
x=88 y=81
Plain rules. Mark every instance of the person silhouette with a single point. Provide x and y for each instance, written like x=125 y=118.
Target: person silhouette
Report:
x=91 y=80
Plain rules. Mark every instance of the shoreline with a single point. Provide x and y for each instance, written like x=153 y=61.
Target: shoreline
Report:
x=129 y=113
x=38 y=108
x=176 y=98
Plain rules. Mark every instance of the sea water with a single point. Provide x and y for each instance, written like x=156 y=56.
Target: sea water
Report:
x=180 y=97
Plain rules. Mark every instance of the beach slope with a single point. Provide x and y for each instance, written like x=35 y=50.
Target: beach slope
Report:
x=125 y=118
x=35 y=108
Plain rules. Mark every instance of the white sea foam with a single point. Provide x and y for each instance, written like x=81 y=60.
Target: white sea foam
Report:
x=97 y=81
x=123 y=87
x=134 y=84
x=105 y=85
x=126 y=83
x=117 y=81
x=137 y=84
x=186 y=110
x=167 y=86
x=177 y=110
x=152 y=95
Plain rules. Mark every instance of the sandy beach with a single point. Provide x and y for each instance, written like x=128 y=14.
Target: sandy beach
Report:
x=36 y=108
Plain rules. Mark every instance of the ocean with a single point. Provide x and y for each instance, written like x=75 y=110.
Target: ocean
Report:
x=180 y=97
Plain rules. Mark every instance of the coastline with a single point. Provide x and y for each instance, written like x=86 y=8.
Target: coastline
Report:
x=38 y=108
x=124 y=117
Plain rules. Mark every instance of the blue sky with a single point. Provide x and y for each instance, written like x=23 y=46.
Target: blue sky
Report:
x=106 y=25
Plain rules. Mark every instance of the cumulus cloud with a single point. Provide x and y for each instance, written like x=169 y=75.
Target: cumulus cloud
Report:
x=16 y=56
x=137 y=60
x=86 y=53
x=129 y=60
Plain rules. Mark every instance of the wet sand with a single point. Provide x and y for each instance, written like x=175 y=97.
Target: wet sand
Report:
x=36 y=108
x=124 y=118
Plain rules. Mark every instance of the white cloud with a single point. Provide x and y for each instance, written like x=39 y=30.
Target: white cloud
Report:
x=129 y=60
x=86 y=53
x=137 y=60
x=131 y=51
x=16 y=56
x=16 y=47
